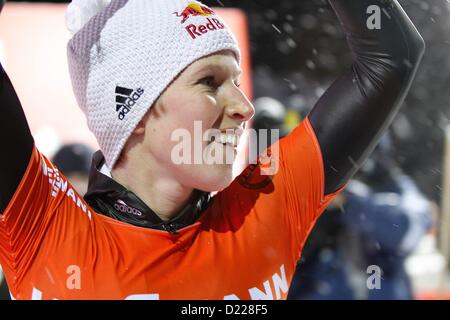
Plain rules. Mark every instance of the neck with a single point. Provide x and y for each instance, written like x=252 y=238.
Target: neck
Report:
x=163 y=194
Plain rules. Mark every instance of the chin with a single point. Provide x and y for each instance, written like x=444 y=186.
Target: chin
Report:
x=214 y=180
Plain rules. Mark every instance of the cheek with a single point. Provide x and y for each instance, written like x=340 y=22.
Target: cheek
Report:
x=204 y=108
x=184 y=113
x=179 y=115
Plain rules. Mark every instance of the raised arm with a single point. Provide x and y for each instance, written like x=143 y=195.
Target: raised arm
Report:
x=17 y=142
x=353 y=113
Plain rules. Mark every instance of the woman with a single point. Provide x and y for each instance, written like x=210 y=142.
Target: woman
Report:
x=148 y=227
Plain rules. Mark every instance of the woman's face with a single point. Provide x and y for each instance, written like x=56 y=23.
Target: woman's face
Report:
x=204 y=101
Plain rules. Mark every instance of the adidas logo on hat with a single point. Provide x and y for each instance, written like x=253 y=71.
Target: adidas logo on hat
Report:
x=126 y=99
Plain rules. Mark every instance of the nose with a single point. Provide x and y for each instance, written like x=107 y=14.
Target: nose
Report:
x=239 y=108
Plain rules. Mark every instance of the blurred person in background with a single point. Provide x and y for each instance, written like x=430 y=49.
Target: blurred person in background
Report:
x=74 y=161
x=377 y=221
x=268 y=122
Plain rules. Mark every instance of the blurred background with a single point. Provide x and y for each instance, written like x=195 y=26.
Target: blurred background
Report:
x=293 y=50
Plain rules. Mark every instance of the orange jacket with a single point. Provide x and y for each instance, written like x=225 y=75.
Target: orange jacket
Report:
x=244 y=246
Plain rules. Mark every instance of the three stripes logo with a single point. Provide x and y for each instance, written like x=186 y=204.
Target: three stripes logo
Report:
x=126 y=99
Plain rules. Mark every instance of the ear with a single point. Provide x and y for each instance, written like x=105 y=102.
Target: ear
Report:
x=140 y=128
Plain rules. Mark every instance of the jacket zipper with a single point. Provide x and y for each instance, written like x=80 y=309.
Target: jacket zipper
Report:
x=170 y=228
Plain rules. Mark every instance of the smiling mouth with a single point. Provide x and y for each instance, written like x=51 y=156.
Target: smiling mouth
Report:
x=226 y=139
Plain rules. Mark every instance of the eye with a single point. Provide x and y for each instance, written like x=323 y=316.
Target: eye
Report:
x=209 y=81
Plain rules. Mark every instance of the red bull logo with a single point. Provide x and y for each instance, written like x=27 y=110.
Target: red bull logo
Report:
x=192 y=10
x=197 y=30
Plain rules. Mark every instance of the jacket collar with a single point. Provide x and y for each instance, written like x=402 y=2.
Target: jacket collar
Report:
x=110 y=198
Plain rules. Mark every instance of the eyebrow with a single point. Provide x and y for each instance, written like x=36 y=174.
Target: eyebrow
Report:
x=217 y=67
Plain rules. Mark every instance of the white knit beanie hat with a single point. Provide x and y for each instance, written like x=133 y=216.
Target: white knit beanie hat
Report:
x=125 y=53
